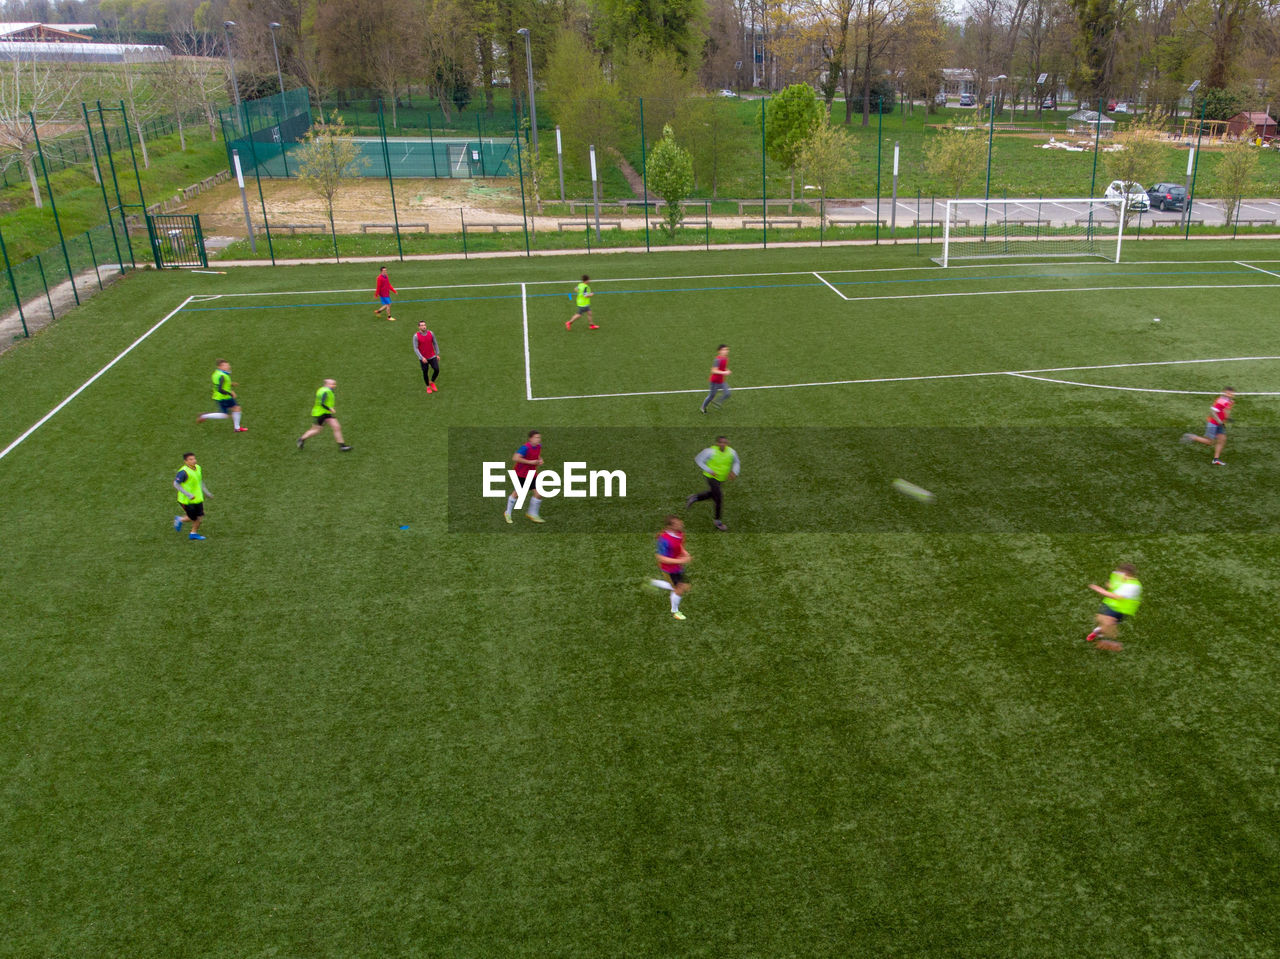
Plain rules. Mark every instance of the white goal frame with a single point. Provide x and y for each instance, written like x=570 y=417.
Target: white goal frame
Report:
x=1047 y=234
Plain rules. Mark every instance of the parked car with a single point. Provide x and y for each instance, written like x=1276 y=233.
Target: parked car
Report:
x=728 y=94
x=1121 y=107
x=968 y=100
x=1111 y=105
x=940 y=99
x=1137 y=196
x=1168 y=196
x=1048 y=104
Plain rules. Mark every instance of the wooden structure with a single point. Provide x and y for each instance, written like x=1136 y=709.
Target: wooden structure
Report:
x=1252 y=126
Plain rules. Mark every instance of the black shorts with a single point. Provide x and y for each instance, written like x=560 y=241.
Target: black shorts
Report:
x=1105 y=610
x=676 y=578
x=193 y=510
x=320 y=420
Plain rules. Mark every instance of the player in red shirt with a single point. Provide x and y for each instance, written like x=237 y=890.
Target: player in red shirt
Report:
x=720 y=373
x=1216 y=428
x=672 y=558
x=383 y=290
x=528 y=457
x=427 y=350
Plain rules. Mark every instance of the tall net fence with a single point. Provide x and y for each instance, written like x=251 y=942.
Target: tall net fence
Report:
x=37 y=290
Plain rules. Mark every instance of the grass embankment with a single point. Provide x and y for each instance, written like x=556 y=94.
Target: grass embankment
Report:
x=28 y=230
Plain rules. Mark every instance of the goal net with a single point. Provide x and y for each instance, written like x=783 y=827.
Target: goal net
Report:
x=983 y=229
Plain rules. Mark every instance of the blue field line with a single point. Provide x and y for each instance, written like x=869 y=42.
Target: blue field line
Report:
x=505 y=296
x=952 y=278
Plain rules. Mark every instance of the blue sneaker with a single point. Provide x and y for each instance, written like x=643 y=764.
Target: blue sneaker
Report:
x=177 y=524
x=194 y=536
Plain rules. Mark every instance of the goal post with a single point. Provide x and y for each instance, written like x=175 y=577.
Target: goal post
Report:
x=986 y=229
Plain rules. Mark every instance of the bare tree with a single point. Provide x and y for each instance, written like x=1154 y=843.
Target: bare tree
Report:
x=328 y=156
x=31 y=88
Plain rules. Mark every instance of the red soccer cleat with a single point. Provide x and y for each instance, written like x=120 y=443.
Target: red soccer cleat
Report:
x=593 y=327
x=433 y=388
x=568 y=324
x=242 y=429
x=1092 y=636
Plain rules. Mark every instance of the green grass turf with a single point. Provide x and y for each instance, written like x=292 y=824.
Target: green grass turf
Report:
x=879 y=732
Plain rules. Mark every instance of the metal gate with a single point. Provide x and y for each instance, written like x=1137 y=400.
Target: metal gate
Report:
x=176 y=241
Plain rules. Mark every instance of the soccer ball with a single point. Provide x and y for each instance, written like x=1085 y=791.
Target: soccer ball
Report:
x=1156 y=320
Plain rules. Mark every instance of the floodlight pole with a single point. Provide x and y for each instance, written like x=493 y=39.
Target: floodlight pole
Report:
x=231 y=60
x=893 y=210
x=560 y=163
x=1195 y=167
x=533 y=107
x=244 y=200
x=595 y=190
x=276 y=53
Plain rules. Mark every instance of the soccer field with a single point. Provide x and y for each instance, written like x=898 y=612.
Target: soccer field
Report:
x=367 y=718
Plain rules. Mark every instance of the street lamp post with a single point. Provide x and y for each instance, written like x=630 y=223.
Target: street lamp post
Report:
x=533 y=106
x=235 y=84
x=276 y=53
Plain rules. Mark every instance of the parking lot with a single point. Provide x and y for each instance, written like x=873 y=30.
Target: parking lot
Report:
x=904 y=213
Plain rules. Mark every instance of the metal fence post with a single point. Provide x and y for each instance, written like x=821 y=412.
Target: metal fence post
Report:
x=45 y=282
x=115 y=183
x=88 y=236
x=644 y=176
x=13 y=286
x=386 y=158
x=764 y=184
x=97 y=175
x=66 y=257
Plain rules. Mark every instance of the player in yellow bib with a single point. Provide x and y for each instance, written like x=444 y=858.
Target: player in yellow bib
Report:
x=322 y=410
x=189 y=482
x=1121 y=600
x=582 y=301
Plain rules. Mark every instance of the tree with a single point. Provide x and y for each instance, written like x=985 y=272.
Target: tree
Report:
x=670 y=170
x=716 y=137
x=790 y=119
x=1098 y=23
x=39 y=88
x=676 y=25
x=1234 y=175
x=1142 y=154
x=825 y=157
x=955 y=156
x=327 y=156
x=584 y=103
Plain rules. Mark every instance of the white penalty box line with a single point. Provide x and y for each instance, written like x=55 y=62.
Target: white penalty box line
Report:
x=1021 y=374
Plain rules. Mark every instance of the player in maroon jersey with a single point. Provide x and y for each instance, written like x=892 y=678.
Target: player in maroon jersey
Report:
x=1216 y=428
x=672 y=558
x=427 y=349
x=528 y=457
x=719 y=380
x=383 y=290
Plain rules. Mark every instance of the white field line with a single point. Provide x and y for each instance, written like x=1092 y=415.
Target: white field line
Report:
x=1026 y=374
x=91 y=380
x=725 y=276
x=1259 y=269
x=1130 y=389
x=1076 y=289
x=829 y=286
x=524 y=313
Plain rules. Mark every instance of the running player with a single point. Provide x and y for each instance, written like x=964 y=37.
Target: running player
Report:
x=527 y=459
x=719 y=464
x=719 y=382
x=383 y=290
x=1121 y=599
x=1216 y=428
x=322 y=410
x=582 y=300
x=672 y=558
x=191 y=495
x=427 y=350
x=225 y=396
